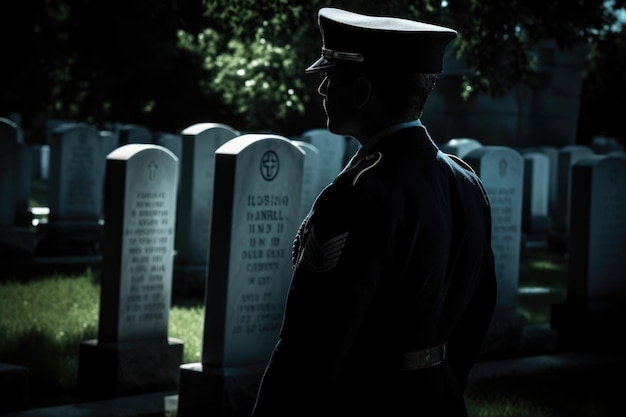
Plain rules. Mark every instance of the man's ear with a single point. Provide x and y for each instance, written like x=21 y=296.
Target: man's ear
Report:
x=363 y=91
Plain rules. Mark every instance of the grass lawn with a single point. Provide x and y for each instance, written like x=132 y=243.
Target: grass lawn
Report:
x=43 y=321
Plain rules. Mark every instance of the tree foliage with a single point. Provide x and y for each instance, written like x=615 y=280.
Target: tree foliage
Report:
x=169 y=63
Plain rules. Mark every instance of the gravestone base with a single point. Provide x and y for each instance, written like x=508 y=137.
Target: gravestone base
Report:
x=539 y=339
x=534 y=242
x=109 y=370
x=69 y=238
x=14 y=387
x=17 y=243
x=537 y=225
x=189 y=279
x=224 y=392
x=581 y=327
x=505 y=335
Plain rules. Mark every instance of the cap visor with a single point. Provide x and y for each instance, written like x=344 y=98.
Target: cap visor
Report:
x=320 y=65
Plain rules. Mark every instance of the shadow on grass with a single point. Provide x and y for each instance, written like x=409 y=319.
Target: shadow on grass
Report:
x=52 y=366
x=589 y=391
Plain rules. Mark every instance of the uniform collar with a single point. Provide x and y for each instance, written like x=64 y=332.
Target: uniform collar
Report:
x=377 y=138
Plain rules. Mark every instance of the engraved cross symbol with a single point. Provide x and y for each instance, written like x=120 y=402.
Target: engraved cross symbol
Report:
x=152 y=169
x=503 y=165
x=269 y=165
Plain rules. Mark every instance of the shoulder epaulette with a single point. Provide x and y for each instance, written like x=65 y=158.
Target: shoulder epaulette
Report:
x=351 y=175
x=365 y=164
x=461 y=162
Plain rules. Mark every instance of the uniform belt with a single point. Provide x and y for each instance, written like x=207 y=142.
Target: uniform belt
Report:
x=418 y=359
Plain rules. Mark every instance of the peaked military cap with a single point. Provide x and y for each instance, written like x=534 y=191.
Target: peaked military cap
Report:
x=380 y=42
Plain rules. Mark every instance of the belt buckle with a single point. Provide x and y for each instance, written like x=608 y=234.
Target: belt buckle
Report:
x=419 y=359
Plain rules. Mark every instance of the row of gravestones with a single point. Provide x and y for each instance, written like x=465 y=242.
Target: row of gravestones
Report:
x=76 y=202
x=547 y=177
x=582 y=196
x=257 y=198
x=527 y=190
x=256 y=210
x=72 y=163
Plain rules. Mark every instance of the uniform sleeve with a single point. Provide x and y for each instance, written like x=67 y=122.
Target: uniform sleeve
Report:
x=466 y=341
x=344 y=252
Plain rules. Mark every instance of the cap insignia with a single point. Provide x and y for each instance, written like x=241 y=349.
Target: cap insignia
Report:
x=346 y=56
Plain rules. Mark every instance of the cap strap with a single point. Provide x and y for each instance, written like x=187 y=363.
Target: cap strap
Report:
x=347 y=56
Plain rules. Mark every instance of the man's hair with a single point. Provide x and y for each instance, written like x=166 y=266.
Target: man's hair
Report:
x=403 y=92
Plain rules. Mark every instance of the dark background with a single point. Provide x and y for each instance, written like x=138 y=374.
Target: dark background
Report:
x=97 y=61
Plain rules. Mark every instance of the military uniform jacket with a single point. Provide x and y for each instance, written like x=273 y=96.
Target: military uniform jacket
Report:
x=394 y=256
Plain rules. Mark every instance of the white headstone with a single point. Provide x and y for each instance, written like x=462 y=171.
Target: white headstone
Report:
x=76 y=173
x=195 y=197
x=535 y=215
x=460 y=146
x=256 y=211
x=597 y=258
x=501 y=170
x=41 y=162
x=332 y=148
x=138 y=251
x=133 y=354
x=568 y=156
x=552 y=152
x=310 y=176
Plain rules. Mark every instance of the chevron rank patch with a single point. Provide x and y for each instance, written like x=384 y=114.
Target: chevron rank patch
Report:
x=323 y=257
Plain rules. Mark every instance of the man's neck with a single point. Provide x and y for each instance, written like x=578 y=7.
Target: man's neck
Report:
x=380 y=135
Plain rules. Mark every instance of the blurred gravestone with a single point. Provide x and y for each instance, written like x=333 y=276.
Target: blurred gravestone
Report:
x=48 y=126
x=74 y=193
x=332 y=151
x=594 y=309
x=536 y=222
x=133 y=353
x=552 y=153
x=41 y=162
x=460 y=146
x=606 y=145
x=195 y=202
x=310 y=177
x=256 y=211
x=133 y=133
x=501 y=170
x=17 y=240
x=352 y=147
x=23 y=179
x=171 y=141
x=109 y=142
x=567 y=157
